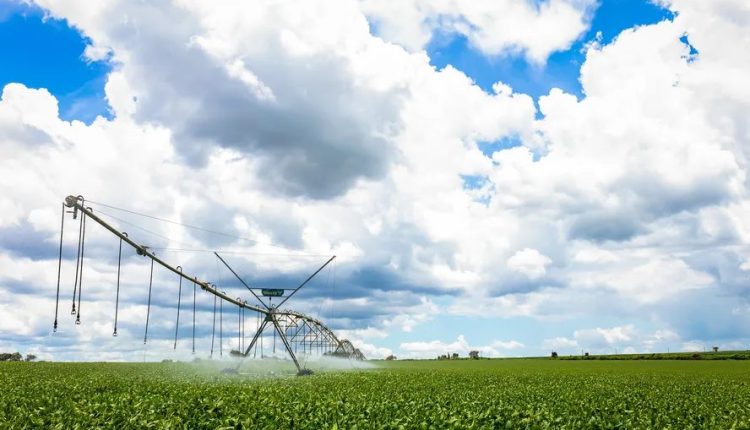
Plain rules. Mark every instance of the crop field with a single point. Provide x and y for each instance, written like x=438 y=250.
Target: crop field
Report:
x=411 y=394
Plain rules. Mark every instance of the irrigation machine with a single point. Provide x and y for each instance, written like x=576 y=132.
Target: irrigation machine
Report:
x=299 y=333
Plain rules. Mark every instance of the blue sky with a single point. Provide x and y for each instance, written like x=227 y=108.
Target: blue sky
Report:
x=233 y=134
x=561 y=69
x=42 y=52
x=48 y=53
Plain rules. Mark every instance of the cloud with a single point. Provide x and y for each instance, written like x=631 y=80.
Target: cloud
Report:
x=371 y=351
x=627 y=339
x=557 y=343
x=599 y=337
x=651 y=280
x=536 y=29
x=510 y=344
x=312 y=122
x=693 y=346
x=461 y=346
x=530 y=262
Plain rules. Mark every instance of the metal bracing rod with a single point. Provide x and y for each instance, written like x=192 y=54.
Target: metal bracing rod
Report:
x=294 y=336
x=73 y=202
x=313 y=321
x=286 y=344
x=312 y=333
x=256 y=336
x=240 y=279
x=306 y=281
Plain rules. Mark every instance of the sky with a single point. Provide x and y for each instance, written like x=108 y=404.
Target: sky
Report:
x=515 y=177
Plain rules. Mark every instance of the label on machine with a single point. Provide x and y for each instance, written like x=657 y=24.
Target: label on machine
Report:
x=272 y=292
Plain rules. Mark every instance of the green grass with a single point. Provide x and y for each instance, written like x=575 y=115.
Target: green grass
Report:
x=404 y=394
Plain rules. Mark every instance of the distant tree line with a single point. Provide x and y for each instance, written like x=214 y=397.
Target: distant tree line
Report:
x=16 y=356
x=474 y=355
x=448 y=356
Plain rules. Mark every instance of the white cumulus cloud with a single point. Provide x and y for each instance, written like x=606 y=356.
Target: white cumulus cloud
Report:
x=530 y=262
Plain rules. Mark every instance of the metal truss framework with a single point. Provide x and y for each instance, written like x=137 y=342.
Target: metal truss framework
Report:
x=299 y=333
x=307 y=335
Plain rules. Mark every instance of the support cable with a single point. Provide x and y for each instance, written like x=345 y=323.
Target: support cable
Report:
x=74 y=202
x=148 y=307
x=117 y=295
x=205 y=230
x=333 y=293
x=71 y=201
x=238 y=277
x=179 y=301
x=145 y=230
x=80 y=274
x=305 y=282
x=59 y=267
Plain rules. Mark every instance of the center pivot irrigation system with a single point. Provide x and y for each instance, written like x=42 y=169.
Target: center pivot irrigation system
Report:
x=299 y=333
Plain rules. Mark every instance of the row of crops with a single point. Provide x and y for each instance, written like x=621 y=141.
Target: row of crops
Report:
x=423 y=395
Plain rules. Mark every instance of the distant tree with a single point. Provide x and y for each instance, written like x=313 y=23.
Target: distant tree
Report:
x=390 y=357
x=30 y=357
x=716 y=349
x=474 y=355
x=554 y=354
x=586 y=354
x=454 y=356
x=6 y=356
